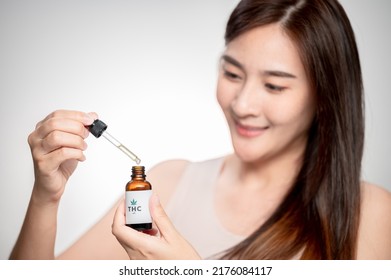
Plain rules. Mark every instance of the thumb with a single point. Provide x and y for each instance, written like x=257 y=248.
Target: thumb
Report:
x=160 y=218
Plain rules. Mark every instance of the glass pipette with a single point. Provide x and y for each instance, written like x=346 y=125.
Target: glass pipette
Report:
x=98 y=128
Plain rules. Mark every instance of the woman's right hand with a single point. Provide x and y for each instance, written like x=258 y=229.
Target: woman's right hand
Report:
x=57 y=145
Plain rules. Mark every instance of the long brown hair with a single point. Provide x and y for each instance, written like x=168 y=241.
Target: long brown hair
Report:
x=319 y=217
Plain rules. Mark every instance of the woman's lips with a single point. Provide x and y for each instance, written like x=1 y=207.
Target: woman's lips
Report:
x=249 y=131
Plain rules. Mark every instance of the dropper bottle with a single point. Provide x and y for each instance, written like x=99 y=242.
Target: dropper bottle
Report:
x=98 y=129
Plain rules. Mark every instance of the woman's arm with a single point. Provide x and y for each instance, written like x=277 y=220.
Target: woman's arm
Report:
x=37 y=236
x=98 y=243
x=374 y=240
x=57 y=145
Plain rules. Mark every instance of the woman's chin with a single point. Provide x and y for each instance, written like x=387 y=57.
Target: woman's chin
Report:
x=247 y=157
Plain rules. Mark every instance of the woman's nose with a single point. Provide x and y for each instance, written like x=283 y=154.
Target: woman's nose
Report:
x=247 y=101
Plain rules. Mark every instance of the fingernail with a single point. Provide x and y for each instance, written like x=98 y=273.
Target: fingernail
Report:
x=93 y=115
x=88 y=119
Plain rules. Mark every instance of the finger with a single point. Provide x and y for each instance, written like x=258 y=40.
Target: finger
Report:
x=57 y=139
x=85 y=118
x=162 y=221
x=52 y=161
x=119 y=216
x=61 y=124
x=129 y=237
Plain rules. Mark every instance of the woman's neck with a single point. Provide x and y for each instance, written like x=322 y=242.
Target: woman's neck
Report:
x=248 y=193
x=267 y=175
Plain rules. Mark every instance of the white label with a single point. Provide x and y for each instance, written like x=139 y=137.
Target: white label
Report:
x=137 y=207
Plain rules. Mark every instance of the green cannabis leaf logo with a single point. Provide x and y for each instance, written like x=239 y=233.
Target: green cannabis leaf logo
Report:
x=133 y=202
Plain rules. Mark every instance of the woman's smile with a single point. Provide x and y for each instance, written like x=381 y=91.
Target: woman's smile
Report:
x=249 y=131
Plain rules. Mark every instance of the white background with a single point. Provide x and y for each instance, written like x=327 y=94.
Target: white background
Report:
x=148 y=68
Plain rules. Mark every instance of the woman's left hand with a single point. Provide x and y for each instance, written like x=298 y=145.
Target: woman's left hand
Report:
x=161 y=243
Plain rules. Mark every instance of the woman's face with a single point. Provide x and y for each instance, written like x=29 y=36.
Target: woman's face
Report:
x=265 y=94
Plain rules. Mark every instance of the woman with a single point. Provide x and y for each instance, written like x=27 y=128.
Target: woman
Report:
x=290 y=87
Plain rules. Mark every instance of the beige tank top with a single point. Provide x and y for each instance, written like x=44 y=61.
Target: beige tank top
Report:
x=191 y=209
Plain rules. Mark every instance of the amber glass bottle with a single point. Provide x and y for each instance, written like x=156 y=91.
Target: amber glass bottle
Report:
x=138 y=192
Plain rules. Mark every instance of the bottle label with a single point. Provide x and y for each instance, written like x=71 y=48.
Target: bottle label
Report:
x=137 y=207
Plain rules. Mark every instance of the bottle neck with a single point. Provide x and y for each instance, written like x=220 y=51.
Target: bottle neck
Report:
x=138 y=177
x=138 y=173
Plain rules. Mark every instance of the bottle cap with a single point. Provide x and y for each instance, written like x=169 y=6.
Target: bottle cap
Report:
x=97 y=128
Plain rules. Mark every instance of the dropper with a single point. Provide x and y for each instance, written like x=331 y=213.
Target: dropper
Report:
x=98 y=128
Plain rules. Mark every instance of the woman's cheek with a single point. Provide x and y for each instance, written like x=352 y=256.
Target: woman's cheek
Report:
x=225 y=93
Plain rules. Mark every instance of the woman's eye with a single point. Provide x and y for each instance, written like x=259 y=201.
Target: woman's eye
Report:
x=231 y=76
x=275 y=88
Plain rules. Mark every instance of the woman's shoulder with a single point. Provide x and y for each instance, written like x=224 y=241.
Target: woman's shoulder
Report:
x=165 y=176
x=172 y=170
x=168 y=166
x=375 y=223
x=375 y=197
